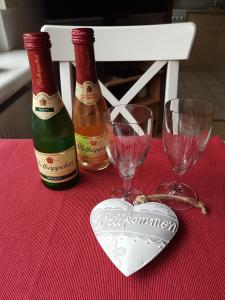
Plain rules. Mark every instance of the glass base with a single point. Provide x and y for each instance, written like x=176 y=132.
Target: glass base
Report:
x=175 y=189
x=128 y=196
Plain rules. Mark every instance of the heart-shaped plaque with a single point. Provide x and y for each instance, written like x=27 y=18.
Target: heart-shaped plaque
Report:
x=130 y=235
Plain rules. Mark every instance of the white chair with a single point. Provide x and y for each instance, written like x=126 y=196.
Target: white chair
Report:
x=162 y=44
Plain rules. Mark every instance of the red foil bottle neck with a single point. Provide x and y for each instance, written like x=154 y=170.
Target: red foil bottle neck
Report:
x=38 y=46
x=83 y=36
x=83 y=39
x=36 y=40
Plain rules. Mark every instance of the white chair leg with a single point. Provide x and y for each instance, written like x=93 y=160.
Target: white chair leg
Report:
x=67 y=85
x=171 y=80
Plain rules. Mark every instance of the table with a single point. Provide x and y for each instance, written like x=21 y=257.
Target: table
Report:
x=48 y=250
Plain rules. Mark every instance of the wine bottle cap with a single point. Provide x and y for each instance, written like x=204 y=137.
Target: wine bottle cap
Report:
x=36 y=40
x=83 y=35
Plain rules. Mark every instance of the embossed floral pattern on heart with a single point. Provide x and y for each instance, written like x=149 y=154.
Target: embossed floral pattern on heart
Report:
x=115 y=251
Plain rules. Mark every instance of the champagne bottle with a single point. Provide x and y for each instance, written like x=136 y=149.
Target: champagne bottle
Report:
x=89 y=105
x=52 y=127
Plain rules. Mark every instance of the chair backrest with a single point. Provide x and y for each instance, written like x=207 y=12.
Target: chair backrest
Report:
x=163 y=44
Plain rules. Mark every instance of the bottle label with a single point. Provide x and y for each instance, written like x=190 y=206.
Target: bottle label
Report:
x=57 y=167
x=91 y=148
x=45 y=106
x=88 y=92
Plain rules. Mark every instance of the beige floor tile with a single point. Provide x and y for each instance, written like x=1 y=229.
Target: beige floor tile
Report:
x=208 y=84
x=204 y=83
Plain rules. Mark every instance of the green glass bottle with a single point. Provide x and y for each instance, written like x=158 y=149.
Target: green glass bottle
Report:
x=52 y=127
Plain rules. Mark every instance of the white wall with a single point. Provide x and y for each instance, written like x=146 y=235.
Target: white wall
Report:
x=30 y=13
x=27 y=16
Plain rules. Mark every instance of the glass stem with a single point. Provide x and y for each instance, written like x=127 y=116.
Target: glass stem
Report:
x=126 y=184
x=177 y=186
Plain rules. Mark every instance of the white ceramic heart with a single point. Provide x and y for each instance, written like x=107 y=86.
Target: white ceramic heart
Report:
x=130 y=235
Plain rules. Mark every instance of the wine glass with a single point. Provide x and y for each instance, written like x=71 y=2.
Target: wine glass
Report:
x=186 y=130
x=127 y=143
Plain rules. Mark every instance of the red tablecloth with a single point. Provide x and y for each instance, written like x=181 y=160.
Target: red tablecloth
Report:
x=48 y=250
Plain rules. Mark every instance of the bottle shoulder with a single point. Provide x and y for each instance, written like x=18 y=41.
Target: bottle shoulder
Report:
x=54 y=122
x=100 y=106
x=55 y=134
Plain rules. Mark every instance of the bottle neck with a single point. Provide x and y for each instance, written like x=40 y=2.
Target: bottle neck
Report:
x=85 y=63
x=42 y=71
